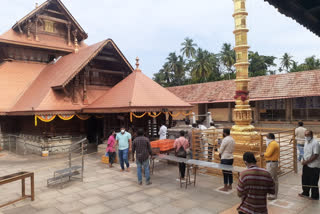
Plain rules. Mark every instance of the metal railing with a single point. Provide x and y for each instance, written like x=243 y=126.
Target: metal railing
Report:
x=205 y=145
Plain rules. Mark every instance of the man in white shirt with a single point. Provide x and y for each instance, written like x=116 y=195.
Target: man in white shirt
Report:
x=300 y=139
x=163 y=132
x=311 y=167
x=226 y=156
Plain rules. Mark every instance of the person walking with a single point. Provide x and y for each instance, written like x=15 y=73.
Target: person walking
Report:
x=226 y=156
x=300 y=139
x=311 y=167
x=141 y=146
x=163 y=131
x=254 y=185
x=123 y=139
x=272 y=156
x=181 y=145
x=111 y=148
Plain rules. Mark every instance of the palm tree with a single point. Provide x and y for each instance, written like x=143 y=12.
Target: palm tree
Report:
x=201 y=67
x=228 y=57
x=188 y=48
x=286 y=62
x=312 y=63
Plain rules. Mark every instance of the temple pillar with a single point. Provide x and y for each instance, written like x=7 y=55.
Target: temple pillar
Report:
x=247 y=139
x=229 y=113
x=257 y=112
x=288 y=107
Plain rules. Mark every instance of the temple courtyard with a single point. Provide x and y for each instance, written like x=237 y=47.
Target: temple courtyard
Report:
x=107 y=190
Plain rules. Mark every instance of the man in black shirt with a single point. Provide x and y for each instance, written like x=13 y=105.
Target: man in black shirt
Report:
x=141 y=145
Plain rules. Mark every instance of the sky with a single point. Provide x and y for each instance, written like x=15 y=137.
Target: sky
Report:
x=151 y=29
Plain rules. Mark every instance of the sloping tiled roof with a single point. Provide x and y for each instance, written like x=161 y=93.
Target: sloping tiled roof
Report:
x=41 y=97
x=45 y=41
x=137 y=92
x=68 y=66
x=14 y=81
x=299 y=84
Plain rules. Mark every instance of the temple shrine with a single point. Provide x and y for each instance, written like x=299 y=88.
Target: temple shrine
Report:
x=54 y=85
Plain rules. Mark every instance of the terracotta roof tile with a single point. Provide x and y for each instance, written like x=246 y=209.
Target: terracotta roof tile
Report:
x=14 y=81
x=137 y=92
x=297 y=84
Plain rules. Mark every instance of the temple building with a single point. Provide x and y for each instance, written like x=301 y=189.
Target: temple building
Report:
x=284 y=98
x=53 y=85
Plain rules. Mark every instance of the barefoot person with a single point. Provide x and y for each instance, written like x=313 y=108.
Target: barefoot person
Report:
x=141 y=146
x=311 y=167
x=181 y=145
x=124 y=141
x=272 y=156
x=111 y=148
x=226 y=156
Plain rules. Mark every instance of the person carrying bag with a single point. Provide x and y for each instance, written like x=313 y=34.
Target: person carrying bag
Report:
x=181 y=146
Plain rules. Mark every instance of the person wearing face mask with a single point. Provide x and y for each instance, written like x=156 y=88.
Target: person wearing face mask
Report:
x=226 y=156
x=124 y=141
x=272 y=156
x=311 y=167
x=254 y=185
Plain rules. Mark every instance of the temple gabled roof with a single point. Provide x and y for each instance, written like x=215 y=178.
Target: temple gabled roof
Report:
x=55 y=11
x=62 y=9
x=41 y=95
x=137 y=93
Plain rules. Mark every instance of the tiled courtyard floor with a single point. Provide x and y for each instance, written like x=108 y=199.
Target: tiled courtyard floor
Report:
x=107 y=190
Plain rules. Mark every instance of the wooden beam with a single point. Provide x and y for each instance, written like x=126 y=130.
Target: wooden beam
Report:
x=106 y=58
x=54 y=11
x=120 y=73
x=107 y=53
x=53 y=19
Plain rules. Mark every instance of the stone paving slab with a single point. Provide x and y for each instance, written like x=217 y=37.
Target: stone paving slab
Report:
x=106 y=190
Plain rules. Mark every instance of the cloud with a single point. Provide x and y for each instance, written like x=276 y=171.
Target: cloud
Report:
x=151 y=29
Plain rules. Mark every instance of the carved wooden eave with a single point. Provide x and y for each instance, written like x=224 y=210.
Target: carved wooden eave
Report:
x=82 y=35
x=120 y=59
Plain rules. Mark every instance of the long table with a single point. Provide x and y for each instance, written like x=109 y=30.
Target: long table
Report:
x=192 y=163
x=19 y=176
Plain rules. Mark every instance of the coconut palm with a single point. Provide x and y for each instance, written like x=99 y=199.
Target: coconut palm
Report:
x=201 y=66
x=188 y=48
x=286 y=62
x=228 y=58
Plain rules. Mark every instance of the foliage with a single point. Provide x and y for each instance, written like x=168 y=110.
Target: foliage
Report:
x=197 y=65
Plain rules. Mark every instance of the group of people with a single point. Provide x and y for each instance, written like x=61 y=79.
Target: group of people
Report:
x=255 y=183
x=140 y=145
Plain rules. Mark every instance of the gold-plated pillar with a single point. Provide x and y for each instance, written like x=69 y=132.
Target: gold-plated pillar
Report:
x=242 y=131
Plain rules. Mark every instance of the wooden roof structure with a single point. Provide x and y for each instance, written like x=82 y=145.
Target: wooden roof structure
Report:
x=305 y=12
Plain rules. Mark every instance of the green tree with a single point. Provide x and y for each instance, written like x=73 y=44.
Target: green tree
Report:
x=286 y=62
x=228 y=58
x=260 y=65
x=310 y=63
x=188 y=48
x=203 y=66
